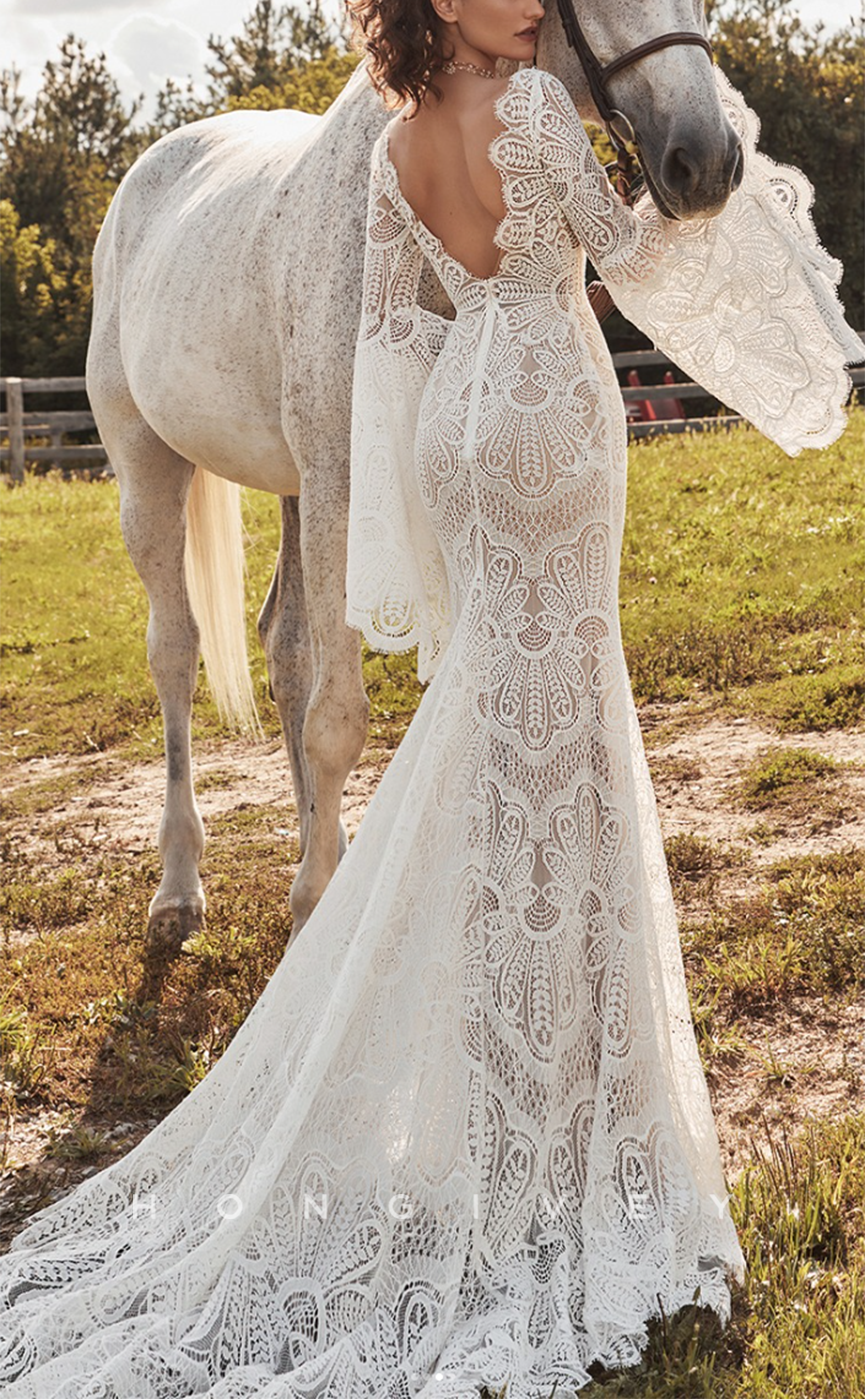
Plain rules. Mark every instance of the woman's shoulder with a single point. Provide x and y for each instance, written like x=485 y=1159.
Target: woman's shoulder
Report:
x=381 y=146
x=541 y=81
x=383 y=137
x=382 y=173
x=529 y=92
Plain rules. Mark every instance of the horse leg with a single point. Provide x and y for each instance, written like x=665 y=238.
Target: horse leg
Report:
x=337 y=715
x=284 y=634
x=153 y=520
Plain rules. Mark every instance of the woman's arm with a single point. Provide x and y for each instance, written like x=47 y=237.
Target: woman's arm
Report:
x=744 y=302
x=626 y=245
x=396 y=584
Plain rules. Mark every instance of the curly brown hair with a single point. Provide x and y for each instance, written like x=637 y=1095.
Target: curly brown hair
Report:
x=405 y=44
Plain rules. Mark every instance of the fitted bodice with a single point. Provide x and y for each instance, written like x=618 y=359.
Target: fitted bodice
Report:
x=509 y=414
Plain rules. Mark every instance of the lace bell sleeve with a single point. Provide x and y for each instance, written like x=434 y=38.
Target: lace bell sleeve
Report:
x=744 y=302
x=396 y=584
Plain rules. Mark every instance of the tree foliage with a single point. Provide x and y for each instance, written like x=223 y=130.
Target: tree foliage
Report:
x=31 y=288
x=61 y=157
x=277 y=43
x=310 y=88
x=808 y=89
x=285 y=56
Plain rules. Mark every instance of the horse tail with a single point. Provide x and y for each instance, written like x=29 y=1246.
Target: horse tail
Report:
x=215 y=571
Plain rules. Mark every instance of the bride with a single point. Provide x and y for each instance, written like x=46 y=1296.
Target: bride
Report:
x=464 y=1137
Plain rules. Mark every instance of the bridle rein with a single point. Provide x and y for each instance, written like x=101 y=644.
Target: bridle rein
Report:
x=599 y=74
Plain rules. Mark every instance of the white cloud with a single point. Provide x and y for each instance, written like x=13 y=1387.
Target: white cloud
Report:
x=145 y=50
x=144 y=42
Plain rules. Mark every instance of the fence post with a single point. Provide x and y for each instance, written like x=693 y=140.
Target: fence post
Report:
x=15 y=419
x=57 y=441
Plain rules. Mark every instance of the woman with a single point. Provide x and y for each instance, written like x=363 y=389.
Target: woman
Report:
x=464 y=1136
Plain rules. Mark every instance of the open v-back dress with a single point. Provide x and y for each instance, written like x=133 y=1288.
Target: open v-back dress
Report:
x=464 y=1136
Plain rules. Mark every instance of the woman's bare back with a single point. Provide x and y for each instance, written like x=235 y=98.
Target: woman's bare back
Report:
x=441 y=157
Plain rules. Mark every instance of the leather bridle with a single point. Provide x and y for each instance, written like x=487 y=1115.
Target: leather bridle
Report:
x=599 y=74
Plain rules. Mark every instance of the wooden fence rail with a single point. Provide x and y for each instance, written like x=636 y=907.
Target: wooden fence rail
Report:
x=18 y=426
x=647 y=394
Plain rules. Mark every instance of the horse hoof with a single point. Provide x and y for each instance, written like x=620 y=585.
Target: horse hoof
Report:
x=171 y=924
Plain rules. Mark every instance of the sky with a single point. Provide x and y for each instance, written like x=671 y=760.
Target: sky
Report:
x=147 y=43
x=144 y=43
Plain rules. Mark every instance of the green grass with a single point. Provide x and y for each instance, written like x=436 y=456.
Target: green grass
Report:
x=37 y=901
x=740 y=582
x=133 y=1029
x=776 y=771
x=24 y=1060
x=797 y=1329
x=741 y=574
x=75 y=673
x=695 y=863
x=803 y=932
x=75 y=677
x=816 y=700
x=800 y=1212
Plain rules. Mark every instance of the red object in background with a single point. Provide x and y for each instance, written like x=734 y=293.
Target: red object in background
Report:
x=647 y=409
x=661 y=409
x=669 y=407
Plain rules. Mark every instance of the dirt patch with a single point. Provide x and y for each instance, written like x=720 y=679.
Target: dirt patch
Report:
x=104 y=806
x=694 y=772
x=804 y=1060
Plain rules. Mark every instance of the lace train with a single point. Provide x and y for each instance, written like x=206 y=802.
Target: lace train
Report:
x=415 y=1168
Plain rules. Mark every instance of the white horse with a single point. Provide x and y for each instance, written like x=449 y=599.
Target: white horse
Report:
x=226 y=299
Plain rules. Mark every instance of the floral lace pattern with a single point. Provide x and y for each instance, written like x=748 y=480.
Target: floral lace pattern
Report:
x=745 y=303
x=464 y=1136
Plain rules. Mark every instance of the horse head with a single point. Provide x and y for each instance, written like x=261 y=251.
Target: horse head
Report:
x=690 y=154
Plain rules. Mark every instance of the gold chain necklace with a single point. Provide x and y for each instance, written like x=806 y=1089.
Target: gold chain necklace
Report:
x=453 y=67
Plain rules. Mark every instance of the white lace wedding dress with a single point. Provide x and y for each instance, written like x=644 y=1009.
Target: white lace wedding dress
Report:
x=464 y=1137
